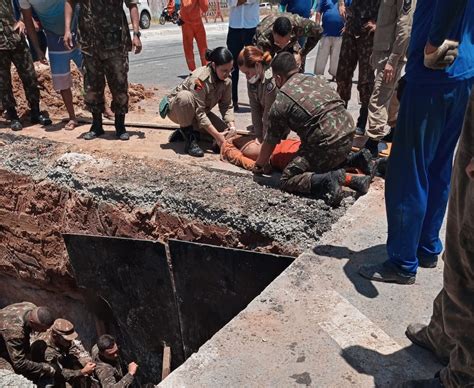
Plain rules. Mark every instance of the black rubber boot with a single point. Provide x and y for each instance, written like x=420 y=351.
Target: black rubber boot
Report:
x=362 y=160
x=96 y=128
x=175 y=136
x=362 y=120
x=389 y=137
x=373 y=146
x=36 y=117
x=191 y=146
x=120 y=130
x=15 y=123
x=328 y=186
x=359 y=183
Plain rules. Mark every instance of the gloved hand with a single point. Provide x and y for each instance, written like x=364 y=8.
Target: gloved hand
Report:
x=443 y=56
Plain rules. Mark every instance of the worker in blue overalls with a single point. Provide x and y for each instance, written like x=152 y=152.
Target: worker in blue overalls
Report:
x=429 y=124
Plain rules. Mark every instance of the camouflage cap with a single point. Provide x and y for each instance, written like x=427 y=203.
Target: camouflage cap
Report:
x=64 y=328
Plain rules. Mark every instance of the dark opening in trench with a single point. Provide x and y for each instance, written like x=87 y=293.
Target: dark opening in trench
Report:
x=149 y=296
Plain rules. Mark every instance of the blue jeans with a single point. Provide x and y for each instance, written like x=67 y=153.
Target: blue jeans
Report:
x=419 y=169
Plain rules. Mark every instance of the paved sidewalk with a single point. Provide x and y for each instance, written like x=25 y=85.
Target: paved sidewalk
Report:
x=320 y=324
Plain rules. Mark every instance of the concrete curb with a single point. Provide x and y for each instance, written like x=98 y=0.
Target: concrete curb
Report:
x=176 y=30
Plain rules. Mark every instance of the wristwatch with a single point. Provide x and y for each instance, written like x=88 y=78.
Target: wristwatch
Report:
x=137 y=34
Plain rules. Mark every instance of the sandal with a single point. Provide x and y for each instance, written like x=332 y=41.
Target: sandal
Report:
x=71 y=124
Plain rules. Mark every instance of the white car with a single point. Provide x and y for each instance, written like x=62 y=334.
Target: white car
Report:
x=144 y=12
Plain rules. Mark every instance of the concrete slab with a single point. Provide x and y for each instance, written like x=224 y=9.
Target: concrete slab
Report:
x=320 y=324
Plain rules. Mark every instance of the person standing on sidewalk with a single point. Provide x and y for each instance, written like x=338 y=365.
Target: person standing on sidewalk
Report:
x=192 y=29
x=13 y=48
x=244 y=16
x=51 y=16
x=449 y=333
x=391 y=40
x=439 y=75
x=330 y=46
x=357 y=42
x=105 y=41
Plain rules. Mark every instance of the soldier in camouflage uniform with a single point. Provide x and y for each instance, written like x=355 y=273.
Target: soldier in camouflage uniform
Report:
x=281 y=32
x=105 y=41
x=17 y=322
x=13 y=48
x=310 y=107
x=60 y=348
x=357 y=44
x=108 y=369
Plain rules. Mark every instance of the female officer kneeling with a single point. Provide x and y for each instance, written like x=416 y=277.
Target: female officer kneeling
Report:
x=190 y=103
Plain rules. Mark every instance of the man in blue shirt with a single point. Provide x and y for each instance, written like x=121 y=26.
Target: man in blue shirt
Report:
x=330 y=46
x=429 y=123
x=298 y=7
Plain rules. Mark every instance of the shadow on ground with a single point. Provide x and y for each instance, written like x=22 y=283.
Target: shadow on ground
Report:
x=355 y=259
x=388 y=370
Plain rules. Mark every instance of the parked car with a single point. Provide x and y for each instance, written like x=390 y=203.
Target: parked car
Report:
x=144 y=11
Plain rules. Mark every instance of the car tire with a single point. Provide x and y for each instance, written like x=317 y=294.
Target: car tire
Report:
x=145 y=20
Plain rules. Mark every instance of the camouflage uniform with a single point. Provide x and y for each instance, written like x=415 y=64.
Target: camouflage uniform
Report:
x=310 y=107
x=261 y=97
x=68 y=362
x=110 y=373
x=356 y=48
x=105 y=41
x=15 y=342
x=13 y=48
x=450 y=332
x=302 y=28
x=191 y=101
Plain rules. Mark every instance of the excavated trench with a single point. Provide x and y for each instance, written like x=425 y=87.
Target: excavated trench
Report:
x=158 y=253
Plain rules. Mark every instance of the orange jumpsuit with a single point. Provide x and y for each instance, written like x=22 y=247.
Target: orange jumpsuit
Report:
x=193 y=28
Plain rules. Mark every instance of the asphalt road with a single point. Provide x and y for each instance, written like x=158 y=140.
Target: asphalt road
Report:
x=162 y=61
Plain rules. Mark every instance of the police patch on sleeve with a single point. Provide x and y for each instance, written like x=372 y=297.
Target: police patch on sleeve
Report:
x=406 y=6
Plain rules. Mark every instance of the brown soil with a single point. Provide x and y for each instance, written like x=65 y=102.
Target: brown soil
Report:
x=52 y=102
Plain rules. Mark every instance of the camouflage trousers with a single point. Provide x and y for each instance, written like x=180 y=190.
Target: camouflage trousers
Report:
x=356 y=50
x=317 y=157
x=115 y=70
x=452 y=323
x=23 y=62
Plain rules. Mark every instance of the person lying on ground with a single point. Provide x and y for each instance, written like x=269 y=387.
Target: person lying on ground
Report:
x=243 y=151
x=190 y=103
x=310 y=107
x=59 y=347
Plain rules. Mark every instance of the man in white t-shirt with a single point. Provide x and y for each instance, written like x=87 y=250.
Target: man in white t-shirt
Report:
x=244 y=16
x=51 y=15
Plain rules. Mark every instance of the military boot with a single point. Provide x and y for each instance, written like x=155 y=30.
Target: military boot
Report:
x=328 y=186
x=362 y=120
x=96 y=128
x=373 y=146
x=175 y=136
x=120 y=130
x=358 y=183
x=191 y=146
x=15 y=123
x=36 y=117
x=362 y=160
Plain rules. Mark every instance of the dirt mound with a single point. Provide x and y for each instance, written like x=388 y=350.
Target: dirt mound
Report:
x=52 y=102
